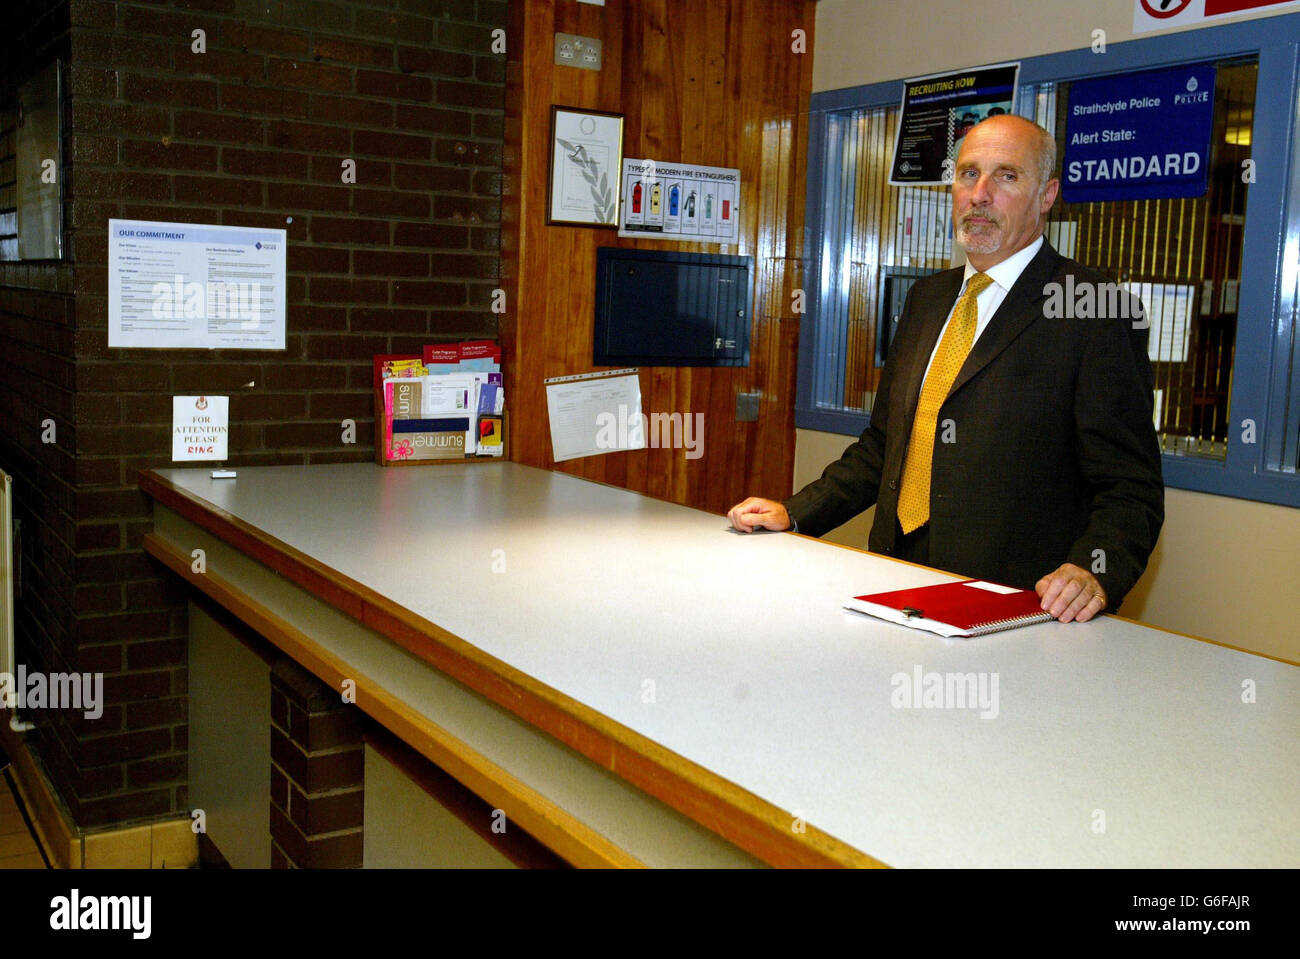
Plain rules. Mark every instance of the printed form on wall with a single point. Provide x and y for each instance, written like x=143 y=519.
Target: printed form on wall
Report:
x=593 y=413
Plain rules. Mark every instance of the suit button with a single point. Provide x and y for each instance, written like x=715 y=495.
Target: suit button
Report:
x=893 y=484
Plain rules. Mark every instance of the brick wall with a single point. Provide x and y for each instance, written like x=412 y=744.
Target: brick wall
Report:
x=252 y=132
x=37 y=379
x=317 y=773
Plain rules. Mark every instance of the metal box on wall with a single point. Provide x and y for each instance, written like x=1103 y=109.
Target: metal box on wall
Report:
x=664 y=308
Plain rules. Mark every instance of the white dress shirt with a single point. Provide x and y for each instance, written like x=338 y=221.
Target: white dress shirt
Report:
x=1004 y=277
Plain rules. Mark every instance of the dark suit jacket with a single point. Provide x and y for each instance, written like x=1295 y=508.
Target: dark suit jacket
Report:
x=1055 y=455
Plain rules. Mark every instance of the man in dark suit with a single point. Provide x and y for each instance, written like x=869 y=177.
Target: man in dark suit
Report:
x=1007 y=442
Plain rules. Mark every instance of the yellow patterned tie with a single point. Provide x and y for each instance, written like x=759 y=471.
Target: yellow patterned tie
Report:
x=914 y=498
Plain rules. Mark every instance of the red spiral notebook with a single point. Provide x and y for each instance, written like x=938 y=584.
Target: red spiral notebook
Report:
x=971 y=607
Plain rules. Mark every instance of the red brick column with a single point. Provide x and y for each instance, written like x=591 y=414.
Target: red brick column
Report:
x=317 y=773
x=374 y=138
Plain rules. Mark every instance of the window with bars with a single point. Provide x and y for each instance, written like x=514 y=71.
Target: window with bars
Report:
x=1213 y=301
x=879 y=239
x=1182 y=257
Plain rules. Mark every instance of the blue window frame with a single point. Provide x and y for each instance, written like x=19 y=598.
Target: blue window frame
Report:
x=1258 y=464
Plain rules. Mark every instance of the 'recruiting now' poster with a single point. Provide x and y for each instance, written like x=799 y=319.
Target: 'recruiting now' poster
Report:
x=938 y=111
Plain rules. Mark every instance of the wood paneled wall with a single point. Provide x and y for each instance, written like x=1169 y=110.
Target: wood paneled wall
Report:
x=714 y=82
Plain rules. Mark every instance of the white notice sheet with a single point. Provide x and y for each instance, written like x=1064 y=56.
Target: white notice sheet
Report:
x=194 y=285
x=594 y=413
x=1168 y=310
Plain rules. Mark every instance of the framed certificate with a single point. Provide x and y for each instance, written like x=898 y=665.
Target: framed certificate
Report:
x=586 y=162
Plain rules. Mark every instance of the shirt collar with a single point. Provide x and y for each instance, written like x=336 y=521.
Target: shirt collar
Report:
x=1008 y=271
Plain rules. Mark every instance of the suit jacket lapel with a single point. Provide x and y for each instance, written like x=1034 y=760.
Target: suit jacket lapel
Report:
x=934 y=313
x=1020 y=307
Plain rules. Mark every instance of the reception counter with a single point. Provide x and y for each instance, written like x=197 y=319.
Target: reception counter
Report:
x=632 y=683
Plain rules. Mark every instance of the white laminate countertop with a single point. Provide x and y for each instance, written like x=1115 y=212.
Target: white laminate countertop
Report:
x=1113 y=744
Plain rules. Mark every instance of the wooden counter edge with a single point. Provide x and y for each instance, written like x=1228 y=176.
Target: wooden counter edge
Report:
x=567 y=836
x=721 y=806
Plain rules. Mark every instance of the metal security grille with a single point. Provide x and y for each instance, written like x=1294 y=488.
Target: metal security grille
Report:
x=878 y=240
x=1183 y=258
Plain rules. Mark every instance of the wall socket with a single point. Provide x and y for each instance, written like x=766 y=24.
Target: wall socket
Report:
x=572 y=50
x=747 y=407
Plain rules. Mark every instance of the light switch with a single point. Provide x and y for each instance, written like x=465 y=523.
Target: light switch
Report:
x=747 y=407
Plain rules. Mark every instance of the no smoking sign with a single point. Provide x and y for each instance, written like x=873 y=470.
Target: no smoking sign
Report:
x=1163 y=14
x=1164 y=9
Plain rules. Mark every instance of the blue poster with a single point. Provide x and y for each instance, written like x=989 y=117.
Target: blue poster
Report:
x=1139 y=136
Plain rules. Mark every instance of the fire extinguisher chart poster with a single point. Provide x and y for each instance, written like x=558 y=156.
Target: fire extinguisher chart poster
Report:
x=672 y=201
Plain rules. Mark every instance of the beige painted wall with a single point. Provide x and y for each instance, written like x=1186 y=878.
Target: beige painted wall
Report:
x=1224 y=568
x=869 y=41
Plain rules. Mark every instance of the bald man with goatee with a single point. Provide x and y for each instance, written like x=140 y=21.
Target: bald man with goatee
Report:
x=1007 y=442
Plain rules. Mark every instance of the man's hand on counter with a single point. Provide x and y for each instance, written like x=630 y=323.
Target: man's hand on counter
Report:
x=1071 y=593
x=757 y=513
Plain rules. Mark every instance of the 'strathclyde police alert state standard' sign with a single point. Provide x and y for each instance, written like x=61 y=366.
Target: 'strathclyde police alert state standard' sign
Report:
x=1139 y=136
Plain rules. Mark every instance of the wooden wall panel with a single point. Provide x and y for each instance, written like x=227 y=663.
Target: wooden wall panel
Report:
x=711 y=82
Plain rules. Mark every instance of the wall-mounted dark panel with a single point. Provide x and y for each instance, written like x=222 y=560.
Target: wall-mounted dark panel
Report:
x=665 y=308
